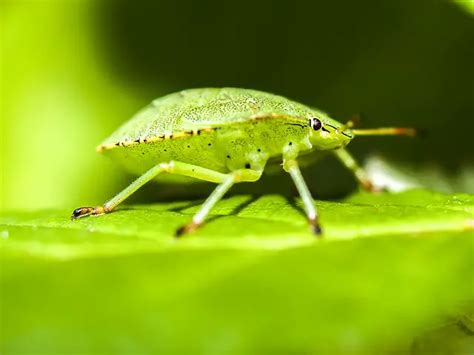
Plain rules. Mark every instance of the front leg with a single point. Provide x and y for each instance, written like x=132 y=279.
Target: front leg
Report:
x=349 y=162
x=291 y=167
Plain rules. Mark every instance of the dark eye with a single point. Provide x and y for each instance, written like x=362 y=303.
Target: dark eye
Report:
x=316 y=124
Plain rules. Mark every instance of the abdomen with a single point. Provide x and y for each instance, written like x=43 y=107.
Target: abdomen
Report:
x=197 y=150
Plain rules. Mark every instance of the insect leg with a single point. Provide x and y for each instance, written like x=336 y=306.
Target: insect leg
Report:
x=242 y=175
x=291 y=166
x=172 y=167
x=349 y=162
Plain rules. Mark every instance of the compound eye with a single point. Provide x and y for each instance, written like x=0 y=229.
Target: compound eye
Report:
x=316 y=124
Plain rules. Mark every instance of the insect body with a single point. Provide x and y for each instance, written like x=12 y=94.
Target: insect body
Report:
x=226 y=136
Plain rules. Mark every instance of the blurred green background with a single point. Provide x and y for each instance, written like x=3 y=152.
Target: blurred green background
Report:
x=72 y=71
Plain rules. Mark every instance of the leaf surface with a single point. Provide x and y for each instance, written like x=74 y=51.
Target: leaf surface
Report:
x=253 y=280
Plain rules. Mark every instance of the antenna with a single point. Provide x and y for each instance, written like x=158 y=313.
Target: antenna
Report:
x=386 y=131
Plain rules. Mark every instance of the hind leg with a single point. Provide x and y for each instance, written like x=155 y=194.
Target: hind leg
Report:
x=172 y=167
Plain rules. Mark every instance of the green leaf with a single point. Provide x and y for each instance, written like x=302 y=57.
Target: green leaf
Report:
x=251 y=281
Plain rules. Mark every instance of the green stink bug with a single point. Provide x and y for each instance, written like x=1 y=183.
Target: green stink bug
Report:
x=227 y=136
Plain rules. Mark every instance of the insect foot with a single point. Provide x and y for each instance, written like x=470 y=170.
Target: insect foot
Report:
x=369 y=186
x=315 y=227
x=87 y=211
x=187 y=228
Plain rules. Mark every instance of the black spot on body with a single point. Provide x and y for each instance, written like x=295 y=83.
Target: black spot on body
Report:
x=291 y=143
x=137 y=140
x=209 y=144
x=247 y=166
x=228 y=157
x=259 y=150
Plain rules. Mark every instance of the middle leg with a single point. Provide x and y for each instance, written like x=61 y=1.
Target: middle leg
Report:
x=243 y=175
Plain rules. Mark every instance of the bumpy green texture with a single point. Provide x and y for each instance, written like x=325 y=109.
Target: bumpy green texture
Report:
x=223 y=129
x=208 y=107
x=253 y=280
